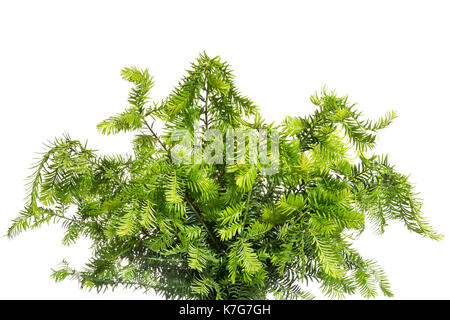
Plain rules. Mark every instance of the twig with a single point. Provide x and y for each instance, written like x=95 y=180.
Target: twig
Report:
x=203 y=223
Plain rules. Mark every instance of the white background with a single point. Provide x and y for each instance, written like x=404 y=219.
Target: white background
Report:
x=60 y=65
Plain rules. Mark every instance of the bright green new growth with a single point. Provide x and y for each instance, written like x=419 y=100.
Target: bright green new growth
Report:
x=218 y=231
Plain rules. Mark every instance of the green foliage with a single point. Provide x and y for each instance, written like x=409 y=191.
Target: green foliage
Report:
x=216 y=231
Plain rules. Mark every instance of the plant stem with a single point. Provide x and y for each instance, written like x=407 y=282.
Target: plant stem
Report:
x=155 y=135
x=249 y=195
x=203 y=223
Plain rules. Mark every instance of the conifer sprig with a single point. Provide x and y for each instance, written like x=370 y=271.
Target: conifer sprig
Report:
x=216 y=230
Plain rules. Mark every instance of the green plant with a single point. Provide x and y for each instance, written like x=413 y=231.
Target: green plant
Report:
x=217 y=230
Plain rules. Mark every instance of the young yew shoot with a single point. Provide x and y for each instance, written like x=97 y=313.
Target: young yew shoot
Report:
x=212 y=228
